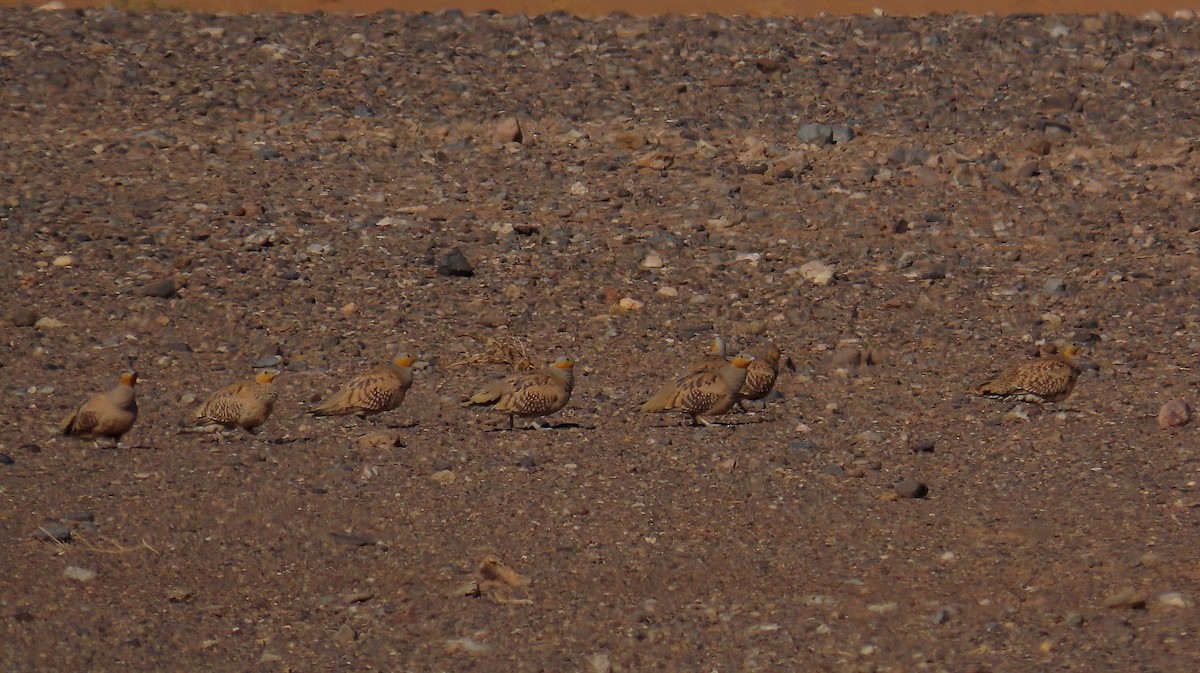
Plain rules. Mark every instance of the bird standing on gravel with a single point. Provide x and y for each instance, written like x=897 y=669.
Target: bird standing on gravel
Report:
x=530 y=395
x=1048 y=379
x=245 y=405
x=372 y=392
x=109 y=414
x=703 y=393
x=761 y=374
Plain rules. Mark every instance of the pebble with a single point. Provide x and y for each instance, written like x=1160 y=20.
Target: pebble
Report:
x=1174 y=414
x=925 y=446
x=508 y=130
x=652 y=261
x=526 y=462
x=817 y=272
x=63 y=260
x=49 y=323
x=1055 y=286
x=24 y=317
x=1127 y=597
x=911 y=488
x=268 y=361
x=266 y=153
x=79 y=574
x=163 y=289
x=824 y=134
x=352 y=540
x=6 y=459
x=1175 y=599
x=942 y=616
x=443 y=477
x=52 y=531
x=455 y=264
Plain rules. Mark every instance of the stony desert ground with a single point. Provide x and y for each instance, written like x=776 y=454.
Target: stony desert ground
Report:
x=905 y=206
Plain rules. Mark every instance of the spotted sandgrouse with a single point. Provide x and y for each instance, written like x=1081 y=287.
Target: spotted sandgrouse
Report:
x=245 y=404
x=702 y=393
x=372 y=392
x=761 y=374
x=531 y=394
x=109 y=414
x=1050 y=378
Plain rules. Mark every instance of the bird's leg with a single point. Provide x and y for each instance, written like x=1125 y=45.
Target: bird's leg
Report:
x=511 y=422
x=700 y=420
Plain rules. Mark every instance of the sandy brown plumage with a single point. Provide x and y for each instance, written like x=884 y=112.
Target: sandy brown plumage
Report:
x=1047 y=379
x=702 y=393
x=372 y=392
x=530 y=394
x=761 y=374
x=245 y=404
x=109 y=414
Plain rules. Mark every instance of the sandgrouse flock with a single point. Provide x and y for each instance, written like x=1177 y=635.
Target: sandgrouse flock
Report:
x=710 y=386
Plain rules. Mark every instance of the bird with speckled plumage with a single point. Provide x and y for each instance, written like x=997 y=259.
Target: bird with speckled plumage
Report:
x=372 y=392
x=703 y=393
x=245 y=405
x=110 y=414
x=1050 y=378
x=529 y=394
x=761 y=374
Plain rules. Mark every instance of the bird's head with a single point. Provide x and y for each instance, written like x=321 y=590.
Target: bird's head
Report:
x=266 y=377
x=403 y=360
x=563 y=363
x=128 y=378
x=742 y=360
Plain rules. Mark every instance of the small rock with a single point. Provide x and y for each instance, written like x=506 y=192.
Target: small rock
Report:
x=817 y=134
x=52 y=531
x=1174 y=414
x=509 y=131
x=352 y=540
x=163 y=289
x=833 y=470
x=346 y=635
x=600 y=663
x=1126 y=598
x=667 y=291
x=49 y=323
x=266 y=153
x=847 y=356
x=24 y=317
x=526 y=462
x=444 y=477
x=1175 y=599
x=6 y=459
x=377 y=440
x=1055 y=286
x=817 y=272
x=177 y=346
x=268 y=361
x=652 y=261
x=79 y=574
x=942 y=616
x=911 y=488
x=455 y=264
x=79 y=516
x=925 y=446
x=63 y=260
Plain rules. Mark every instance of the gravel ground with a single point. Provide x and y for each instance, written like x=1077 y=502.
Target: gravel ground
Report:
x=904 y=206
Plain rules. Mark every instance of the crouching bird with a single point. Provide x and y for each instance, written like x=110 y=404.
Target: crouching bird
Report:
x=703 y=393
x=245 y=405
x=371 y=392
x=109 y=414
x=529 y=394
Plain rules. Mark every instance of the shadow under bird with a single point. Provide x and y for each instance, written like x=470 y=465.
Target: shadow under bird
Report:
x=110 y=414
x=1050 y=378
x=703 y=393
x=245 y=405
x=530 y=394
x=372 y=392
